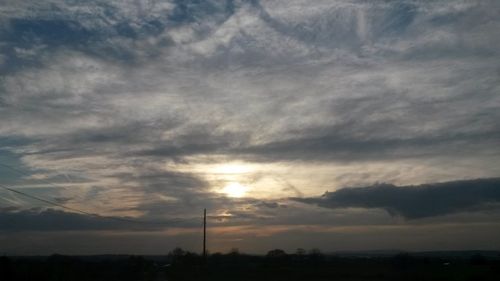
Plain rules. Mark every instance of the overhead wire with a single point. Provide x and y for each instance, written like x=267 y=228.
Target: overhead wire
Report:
x=23 y=173
x=46 y=201
x=56 y=204
x=122 y=219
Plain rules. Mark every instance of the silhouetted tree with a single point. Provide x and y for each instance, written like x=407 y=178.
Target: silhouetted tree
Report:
x=315 y=256
x=276 y=253
x=177 y=252
x=234 y=252
x=300 y=252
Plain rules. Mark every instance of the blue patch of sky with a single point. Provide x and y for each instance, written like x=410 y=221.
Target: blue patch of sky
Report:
x=397 y=20
x=54 y=34
x=187 y=11
x=10 y=159
x=58 y=32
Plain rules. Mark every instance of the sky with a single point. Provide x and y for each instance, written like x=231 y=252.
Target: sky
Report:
x=341 y=125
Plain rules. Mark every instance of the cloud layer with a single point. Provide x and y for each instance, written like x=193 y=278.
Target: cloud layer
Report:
x=147 y=108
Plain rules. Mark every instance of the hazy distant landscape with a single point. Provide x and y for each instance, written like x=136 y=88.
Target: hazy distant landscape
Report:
x=276 y=265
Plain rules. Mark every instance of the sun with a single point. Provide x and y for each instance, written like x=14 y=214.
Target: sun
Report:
x=235 y=189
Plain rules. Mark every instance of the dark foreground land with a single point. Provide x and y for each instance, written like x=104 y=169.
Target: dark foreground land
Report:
x=277 y=265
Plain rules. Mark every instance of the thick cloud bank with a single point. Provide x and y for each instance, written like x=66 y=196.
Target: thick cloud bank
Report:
x=420 y=201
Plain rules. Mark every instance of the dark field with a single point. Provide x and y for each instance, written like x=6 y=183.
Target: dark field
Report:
x=277 y=265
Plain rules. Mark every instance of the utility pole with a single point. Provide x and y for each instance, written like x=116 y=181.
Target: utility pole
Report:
x=204 y=233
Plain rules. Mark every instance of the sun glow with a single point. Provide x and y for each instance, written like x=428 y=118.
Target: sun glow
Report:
x=235 y=189
x=232 y=169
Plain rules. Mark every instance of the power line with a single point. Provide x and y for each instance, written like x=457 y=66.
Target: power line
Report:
x=88 y=213
x=23 y=173
x=204 y=233
x=20 y=172
x=46 y=201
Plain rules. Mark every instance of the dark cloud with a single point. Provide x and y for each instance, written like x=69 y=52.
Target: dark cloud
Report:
x=13 y=220
x=345 y=146
x=170 y=183
x=415 y=202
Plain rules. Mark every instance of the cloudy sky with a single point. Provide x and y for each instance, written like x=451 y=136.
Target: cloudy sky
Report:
x=331 y=124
